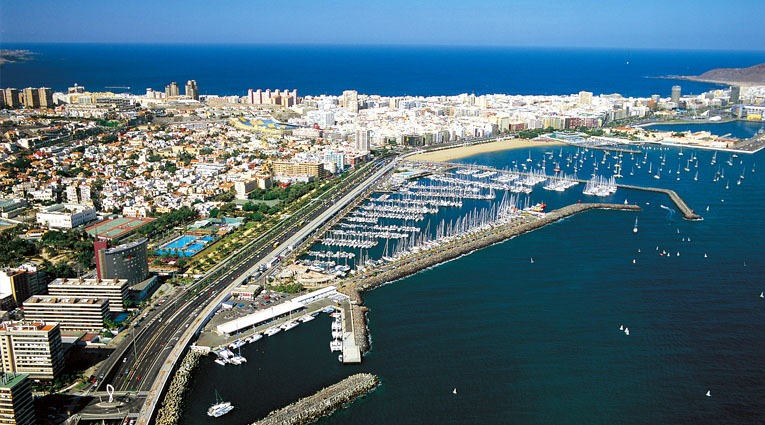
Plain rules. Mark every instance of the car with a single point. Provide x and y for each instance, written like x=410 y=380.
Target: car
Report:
x=101 y=376
x=138 y=378
x=124 y=360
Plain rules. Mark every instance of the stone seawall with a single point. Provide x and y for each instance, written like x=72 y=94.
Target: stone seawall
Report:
x=312 y=408
x=172 y=404
x=412 y=264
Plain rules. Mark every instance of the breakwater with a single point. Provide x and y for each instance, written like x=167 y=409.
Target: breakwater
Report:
x=412 y=264
x=687 y=212
x=172 y=404
x=324 y=402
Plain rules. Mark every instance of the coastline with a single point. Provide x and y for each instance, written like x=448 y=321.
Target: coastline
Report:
x=458 y=152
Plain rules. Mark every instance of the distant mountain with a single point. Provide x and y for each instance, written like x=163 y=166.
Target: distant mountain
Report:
x=752 y=75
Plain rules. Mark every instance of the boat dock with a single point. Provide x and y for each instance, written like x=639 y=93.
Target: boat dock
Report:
x=687 y=212
x=312 y=408
x=351 y=348
x=411 y=264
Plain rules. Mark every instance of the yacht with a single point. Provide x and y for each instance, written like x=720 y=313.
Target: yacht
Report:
x=220 y=407
x=253 y=338
x=307 y=318
x=289 y=325
x=336 y=345
x=273 y=330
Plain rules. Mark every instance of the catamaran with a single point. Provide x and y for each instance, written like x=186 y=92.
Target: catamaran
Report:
x=220 y=407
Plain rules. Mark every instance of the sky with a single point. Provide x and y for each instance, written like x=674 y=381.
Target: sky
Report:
x=672 y=24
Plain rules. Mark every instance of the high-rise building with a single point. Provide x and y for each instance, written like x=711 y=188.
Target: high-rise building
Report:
x=129 y=261
x=192 y=91
x=675 y=97
x=31 y=97
x=46 y=97
x=351 y=100
x=362 y=140
x=33 y=348
x=12 y=98
x=585 y=98
x=14 y=282
x=735 y=94
x=16 y=403
x=172 y=90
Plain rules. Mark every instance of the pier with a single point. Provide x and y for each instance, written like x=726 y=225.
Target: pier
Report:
x=324 y=402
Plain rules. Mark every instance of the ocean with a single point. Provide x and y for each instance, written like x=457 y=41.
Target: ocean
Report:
x=383 y=70
x=523 y=343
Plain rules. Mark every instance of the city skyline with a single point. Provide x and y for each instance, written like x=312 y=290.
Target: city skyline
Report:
x=587 y=23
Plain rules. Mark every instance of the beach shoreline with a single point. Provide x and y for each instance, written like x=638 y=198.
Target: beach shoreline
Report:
x=459 y=152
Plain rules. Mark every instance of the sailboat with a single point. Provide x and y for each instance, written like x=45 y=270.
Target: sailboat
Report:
x=696 y=177
x=454 y=391
x=762 y=294
x=709 y=393
x=635 y=229
x=532 y=260
x=220 y=407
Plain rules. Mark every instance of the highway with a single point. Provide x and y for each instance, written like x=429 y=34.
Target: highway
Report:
x=136 y=363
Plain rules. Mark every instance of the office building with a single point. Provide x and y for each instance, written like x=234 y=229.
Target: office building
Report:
x=33 y=348
x=16 y=403
x=65 y=216
x=12 y=207
x=675 y=97
x=192 y=91
x=128 y=261
x=72 y=314
x=362 y=140
x=114 y=290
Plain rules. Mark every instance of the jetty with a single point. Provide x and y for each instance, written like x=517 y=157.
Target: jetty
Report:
x=687 y=212
x=312 y=408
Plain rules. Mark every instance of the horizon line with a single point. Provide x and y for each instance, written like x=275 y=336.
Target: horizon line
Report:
x=396 y=45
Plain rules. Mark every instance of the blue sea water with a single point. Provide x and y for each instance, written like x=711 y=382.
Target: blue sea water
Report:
x=384 y=70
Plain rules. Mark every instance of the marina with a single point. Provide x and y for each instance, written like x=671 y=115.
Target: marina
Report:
x=407 y=245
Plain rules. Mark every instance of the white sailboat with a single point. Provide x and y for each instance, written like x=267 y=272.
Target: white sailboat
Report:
x=635 y=229
x=532 y=260
x=709 y=394
x=454 y=391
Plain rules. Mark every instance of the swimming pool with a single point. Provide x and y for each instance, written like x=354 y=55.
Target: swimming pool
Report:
x=184 y=246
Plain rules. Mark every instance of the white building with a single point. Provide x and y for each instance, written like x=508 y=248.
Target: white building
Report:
x=65 y=216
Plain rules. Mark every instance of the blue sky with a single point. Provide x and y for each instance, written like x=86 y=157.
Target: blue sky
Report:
x=682 y=24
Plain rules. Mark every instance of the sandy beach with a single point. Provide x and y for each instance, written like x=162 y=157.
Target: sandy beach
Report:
x=465 y=151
